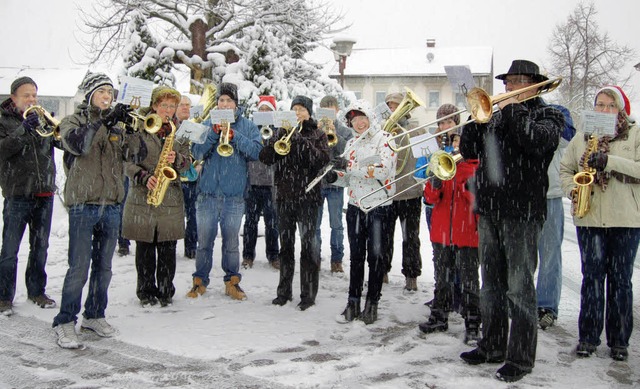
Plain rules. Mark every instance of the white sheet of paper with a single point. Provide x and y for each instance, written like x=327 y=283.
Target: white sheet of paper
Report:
x=328 y=113
x=131 y=87
x=599 y=123
x=196 y=111
x=460 y=78
x=422 y=149
x=263 y=118
x=285 y=119
x=381 y=112
x=220 y=115
x=195 y=132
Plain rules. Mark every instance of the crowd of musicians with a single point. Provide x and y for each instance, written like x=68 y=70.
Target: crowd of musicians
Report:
x=492 y=196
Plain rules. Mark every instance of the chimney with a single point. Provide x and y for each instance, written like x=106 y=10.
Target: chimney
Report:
x=431 y=42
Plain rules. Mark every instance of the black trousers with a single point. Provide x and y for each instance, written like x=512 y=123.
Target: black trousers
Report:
x=305 y=218
x=149 y=270
x=409 y=213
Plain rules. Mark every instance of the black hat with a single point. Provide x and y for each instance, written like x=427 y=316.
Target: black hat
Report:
x=18 y=82
x=524 y=67
x=305 y=102
x=228 y=89
x=93 y=81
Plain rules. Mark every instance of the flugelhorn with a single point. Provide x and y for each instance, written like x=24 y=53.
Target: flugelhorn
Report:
x=283 y=145
x=481 y=110
x=48 y=125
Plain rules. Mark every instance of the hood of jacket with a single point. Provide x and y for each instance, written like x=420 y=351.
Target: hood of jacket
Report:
x=365 y=108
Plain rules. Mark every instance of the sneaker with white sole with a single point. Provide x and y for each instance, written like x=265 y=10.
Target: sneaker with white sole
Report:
x=67 y=337
x=99 y=326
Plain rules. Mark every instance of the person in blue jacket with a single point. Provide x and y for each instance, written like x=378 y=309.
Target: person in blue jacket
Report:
x=221 y=189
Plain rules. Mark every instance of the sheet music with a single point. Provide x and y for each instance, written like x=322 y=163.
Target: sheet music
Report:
x=195 y=132
x=217 y=116
x=263 y=118
x=131 y=87
x=599 y=123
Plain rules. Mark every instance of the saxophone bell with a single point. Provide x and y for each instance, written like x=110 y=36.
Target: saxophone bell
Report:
x=581 y=193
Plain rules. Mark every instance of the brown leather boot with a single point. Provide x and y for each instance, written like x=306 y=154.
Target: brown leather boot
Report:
x=336 y=267
x=234 y=290
x=198 y=288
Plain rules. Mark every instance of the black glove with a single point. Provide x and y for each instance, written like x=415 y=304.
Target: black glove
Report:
x=331 y=177
x=598 y=161
x=340 y=163
x=119 y=114
x=436 y=183
x=31 y=122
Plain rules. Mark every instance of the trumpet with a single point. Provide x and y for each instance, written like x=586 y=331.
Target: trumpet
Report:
x=442 y=165
x=283 y=145
x=331 y=132
x=266 y=132
x=224 y=148
x=150 y=123
x=481 y=110
x=48 y=125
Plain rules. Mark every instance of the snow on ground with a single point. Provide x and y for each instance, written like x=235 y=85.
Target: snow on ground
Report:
x=216 y=342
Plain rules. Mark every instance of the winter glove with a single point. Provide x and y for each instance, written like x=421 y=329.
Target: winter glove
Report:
x=119 y=114
x=598 y=161
x=31 y=122
x=340 y=163
x=436 y=183
x=331 y=177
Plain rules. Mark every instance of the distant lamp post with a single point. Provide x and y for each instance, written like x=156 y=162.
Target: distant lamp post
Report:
x=341 y=48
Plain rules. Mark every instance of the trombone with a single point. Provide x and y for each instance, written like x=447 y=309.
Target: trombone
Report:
x=442 y=165
x=224 y=148
x=48 y=125
x=481 y=110
x=283 y=145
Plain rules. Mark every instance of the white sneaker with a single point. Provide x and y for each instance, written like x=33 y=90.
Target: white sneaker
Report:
x=99 y=326
x=67 y=337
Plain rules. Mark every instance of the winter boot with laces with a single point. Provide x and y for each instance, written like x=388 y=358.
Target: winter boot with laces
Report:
x=198 y=288
x=43 y=301
x=234 y=290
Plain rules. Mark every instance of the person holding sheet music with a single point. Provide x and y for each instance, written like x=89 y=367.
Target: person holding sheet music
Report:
x=308 y=154
x=608 y=234
x=260 y=200
x=221 y=187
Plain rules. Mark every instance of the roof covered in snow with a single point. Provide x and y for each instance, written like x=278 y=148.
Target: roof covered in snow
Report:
x=51 y=81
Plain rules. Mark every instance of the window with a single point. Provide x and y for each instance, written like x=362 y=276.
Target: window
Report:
x=380 y=97
x=434 y=99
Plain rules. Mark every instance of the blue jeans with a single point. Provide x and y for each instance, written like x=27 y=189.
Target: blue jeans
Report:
x=607 y=256
x=190 y=194
x=228 y=212
x=93 y=234
x=19 y=212
x=260 y=201
x=335 y=203
x=549 y=284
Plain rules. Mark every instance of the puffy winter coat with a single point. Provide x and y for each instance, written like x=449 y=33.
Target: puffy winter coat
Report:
x=514 y=150
x=619 y=205
x=294 y=171
x=453 y=221
x=27 y=166
x=372 y=149
x=140 y=220
x=93 y=158
x=227 y=176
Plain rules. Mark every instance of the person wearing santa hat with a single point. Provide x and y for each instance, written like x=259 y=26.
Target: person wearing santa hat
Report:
x=260 y=200
x=609 y=233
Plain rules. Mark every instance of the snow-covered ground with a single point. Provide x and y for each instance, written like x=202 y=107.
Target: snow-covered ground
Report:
x=216 y=342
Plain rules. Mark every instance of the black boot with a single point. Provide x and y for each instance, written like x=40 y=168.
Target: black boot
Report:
x=352 y=311
x=370 y=313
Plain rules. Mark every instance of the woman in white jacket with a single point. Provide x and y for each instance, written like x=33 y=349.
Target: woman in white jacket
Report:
x=609 y=233
x=370 y=165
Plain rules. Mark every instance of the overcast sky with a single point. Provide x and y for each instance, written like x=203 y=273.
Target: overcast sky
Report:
x=45 y=32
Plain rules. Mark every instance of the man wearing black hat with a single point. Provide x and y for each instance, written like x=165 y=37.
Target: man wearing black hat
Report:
x=27 y=178
x=514 y=148
x=308 y=154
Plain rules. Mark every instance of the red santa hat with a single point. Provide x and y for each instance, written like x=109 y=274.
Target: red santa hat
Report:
x=269 y=101
x=622 y=101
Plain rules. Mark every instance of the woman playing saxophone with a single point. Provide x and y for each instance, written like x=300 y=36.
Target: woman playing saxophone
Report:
x=608 y=234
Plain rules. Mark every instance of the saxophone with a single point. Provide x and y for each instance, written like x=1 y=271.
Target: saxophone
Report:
x=581 y=193
x=163 y=172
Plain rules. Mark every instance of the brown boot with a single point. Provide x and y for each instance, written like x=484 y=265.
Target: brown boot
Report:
x=198 y=288
x=336 y=267
x=247 y=263
x=385 y=279
x=233 y=289
x=411 y=284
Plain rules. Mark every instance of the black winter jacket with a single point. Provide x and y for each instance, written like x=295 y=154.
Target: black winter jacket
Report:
x=514 y=148
x=27 y=166
x=293 y=172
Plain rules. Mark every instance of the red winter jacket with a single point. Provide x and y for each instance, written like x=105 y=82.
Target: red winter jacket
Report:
x=453 y=222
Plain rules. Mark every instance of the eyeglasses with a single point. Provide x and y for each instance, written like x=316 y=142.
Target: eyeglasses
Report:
x=608 y=107
x=167 y=106
x=517 y=81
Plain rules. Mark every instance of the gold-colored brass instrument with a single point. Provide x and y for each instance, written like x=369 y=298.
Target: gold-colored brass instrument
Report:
x=283 y=145
x=581 y=193
x=409 y=102
x=150 y=123
x=208 y=102
x=48 y=125
x=481 y=110
x=325 y=126
x=441 y=164
x=224 y=147
x=163 y=172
